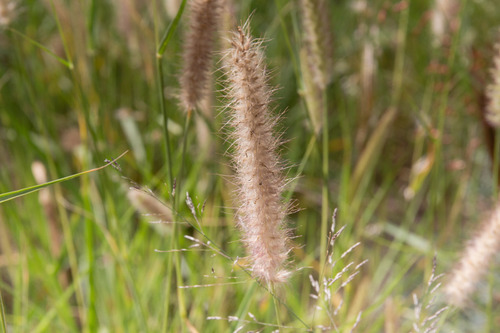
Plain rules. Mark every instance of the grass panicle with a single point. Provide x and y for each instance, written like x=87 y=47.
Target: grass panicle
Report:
x=493 y=92
x=475 y=260
x=261 y=214
x=318 y=40
x=198 y=49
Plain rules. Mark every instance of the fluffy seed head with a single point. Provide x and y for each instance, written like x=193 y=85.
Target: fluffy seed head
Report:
x=318 y=40
x=474 y=261
x=493 y=92
x=198 y=49
x=261 y=214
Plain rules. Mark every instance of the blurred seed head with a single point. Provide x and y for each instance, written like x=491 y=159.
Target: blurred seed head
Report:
x=145 y=202
x=199 y=43
x=493 y=92
x=444 y=20
x=7 y=12
x=475 y=260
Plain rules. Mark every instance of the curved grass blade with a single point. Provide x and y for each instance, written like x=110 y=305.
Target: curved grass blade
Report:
x=3 y=321
x=43 y=48
x=4 y=197
x=170 y=30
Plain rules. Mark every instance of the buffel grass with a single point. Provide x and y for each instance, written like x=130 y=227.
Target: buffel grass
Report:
x=386 y=131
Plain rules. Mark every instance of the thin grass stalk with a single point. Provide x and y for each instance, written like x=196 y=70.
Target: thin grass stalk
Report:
x=179 y=179
x=63 y=214
x=324 y=189
x=490 y=312
x=244 y=305
x=89 y=247
x=378 y=137
x=474 y=262
x=493 y=113
x=90 y=25
x=438 y=170
x=168 y=287
x=2 y=314
x=161 y=48
x=276 y=307
x=59 y=28
x=280 y=7
x=83 y=106
x=300 y=169
x=496 y=164
x=165 y=114
x=180 y=293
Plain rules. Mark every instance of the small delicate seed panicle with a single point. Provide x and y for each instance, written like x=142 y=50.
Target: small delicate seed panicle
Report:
x=198 y=49
x=316 y=58
x=261 y=214
x=493 y=92
x=474 y=261
x=318 y=40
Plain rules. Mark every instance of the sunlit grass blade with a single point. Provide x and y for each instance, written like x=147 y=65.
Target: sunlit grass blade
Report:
x=2 y=314
x=4 y=197
x=170 y=30
x=43 y=48
x=44 y=323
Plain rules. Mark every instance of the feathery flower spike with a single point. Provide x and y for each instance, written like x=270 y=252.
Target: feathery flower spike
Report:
x=474 y=261
x=493 y=92
x=261 y=214
x=198 y=49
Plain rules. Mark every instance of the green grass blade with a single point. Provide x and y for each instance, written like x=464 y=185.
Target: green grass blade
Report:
x=52 y=313
x=170 y=30
x=43 y=48
x=4 y=197
x=2 y=315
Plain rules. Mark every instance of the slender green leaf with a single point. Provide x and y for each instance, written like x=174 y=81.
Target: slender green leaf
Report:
x=4 y=197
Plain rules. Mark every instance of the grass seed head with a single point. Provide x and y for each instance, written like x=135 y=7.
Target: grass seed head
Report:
x=318 y=40
x=198 y=48
x=261 y=214
x=474 y=261
x=493 y=92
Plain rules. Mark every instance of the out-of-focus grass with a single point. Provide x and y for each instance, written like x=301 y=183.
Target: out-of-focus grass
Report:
x=106 y=274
